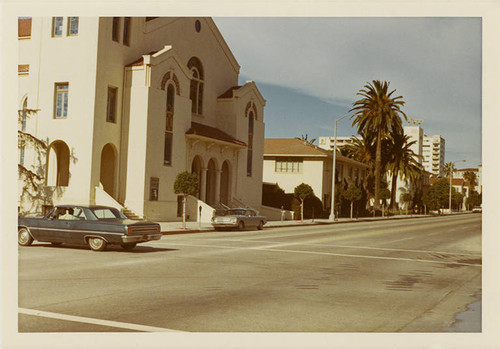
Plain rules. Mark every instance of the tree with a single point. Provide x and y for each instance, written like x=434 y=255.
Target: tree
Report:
x=449 y=167
x=384 y=195
x=438 y=195
x=406 y=198
x=303 y=191
x=32 y=167
x=377 y=113
x=403 y=161
x=470 y=177
x=352 y=194
x=185 y=184
x=474 y=200
x=304 y=138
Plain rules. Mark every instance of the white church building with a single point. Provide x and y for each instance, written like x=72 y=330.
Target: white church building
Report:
x=127 y=103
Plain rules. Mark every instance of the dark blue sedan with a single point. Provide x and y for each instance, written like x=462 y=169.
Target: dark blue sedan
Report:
x=96 y=226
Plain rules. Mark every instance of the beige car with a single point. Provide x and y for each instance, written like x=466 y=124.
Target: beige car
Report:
x=239 y=218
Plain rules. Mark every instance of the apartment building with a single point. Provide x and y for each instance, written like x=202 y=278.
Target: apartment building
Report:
x=433 y=152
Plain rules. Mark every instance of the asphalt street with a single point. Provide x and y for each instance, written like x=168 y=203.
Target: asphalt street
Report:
x=412 y=275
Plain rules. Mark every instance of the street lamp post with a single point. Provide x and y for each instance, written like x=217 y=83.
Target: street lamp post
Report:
x=451 y=183
x=332 y=209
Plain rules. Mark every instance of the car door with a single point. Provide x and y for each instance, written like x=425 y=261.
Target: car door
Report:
x=73 y=227
x=53 y=230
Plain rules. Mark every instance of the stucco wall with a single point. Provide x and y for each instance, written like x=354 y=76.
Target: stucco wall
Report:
x=70 y=59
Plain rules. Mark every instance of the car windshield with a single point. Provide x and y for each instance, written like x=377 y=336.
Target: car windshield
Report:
x=235 y=212
x=103 y=213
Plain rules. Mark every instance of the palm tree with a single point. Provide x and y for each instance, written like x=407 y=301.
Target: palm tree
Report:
x=304 y=138
x=403 y=161
x=470 y=177
x=449 y=167
x=377 y=113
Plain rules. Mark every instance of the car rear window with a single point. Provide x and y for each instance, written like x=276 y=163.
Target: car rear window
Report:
x=107 y=213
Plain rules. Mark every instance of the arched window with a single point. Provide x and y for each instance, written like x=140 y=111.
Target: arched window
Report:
x=196 y=87
x=251 y=117
x=169 y=125
x=58 y=164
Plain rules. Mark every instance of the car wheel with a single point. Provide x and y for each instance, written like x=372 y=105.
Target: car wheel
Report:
x=56 y=243
x=23 y=237
x=261 y=225
x=241 y=225
x=97 y=244
x=128 y=246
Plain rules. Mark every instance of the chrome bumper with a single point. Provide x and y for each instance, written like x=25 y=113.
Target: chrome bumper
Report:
x=140 y=238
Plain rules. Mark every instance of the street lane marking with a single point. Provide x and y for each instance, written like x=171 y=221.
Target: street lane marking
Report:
x=93 y=321
x=263 y=248
x=278 y=244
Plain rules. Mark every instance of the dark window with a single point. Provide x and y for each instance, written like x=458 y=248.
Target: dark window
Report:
x=155 y=186
x=57 y=26
x=61 y=100
x=196 y=86
x=250 y=143
x=116 y=28
x=167 y=154
x=197 y=26
x=111 y=107
x=24 y=114
x=169 y=125
x=179 y=206
x=126 y=31
x=73 y=25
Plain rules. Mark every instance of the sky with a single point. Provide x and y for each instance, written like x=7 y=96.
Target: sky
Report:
x=310 y=69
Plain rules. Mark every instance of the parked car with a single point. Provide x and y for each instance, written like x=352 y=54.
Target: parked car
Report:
x=240 y=218
x=97 y=226
x=477 y=210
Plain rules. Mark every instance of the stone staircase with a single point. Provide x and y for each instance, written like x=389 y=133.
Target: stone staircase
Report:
x=132 y=215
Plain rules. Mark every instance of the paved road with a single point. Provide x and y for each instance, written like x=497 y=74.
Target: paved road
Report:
x=413 y=275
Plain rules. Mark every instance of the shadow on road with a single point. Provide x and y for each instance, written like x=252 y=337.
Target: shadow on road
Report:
x=111 y=248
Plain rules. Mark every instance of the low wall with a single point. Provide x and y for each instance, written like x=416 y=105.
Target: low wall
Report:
x=103 y=198
x=274 y=214
x=193 y=205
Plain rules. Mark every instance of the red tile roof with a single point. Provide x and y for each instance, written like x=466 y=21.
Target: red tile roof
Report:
x=229 y=93
x=212 y=132
x=455 y=181
x=288 y=146
x=298 y=147
x=24 y=27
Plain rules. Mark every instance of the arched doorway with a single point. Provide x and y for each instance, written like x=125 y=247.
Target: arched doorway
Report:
x=108 y=165
x=211 y=182
x=197 y=167
x=225 y=183
x=58 y=164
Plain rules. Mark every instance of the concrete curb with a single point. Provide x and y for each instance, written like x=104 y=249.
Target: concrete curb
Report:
x=178 y=231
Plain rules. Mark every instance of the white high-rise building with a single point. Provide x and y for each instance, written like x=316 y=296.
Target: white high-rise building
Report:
x=429 y=148
x=433 y=153
x=416 y=133
x=328 y=142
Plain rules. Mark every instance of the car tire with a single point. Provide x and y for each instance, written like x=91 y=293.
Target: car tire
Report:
x=241 y=225
x=129 y=246
x=97 y=244
x=261 y=225
x=56 y=243
x=24 y=237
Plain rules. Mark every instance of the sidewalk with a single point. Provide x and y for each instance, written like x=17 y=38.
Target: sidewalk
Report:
x=168 y=228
